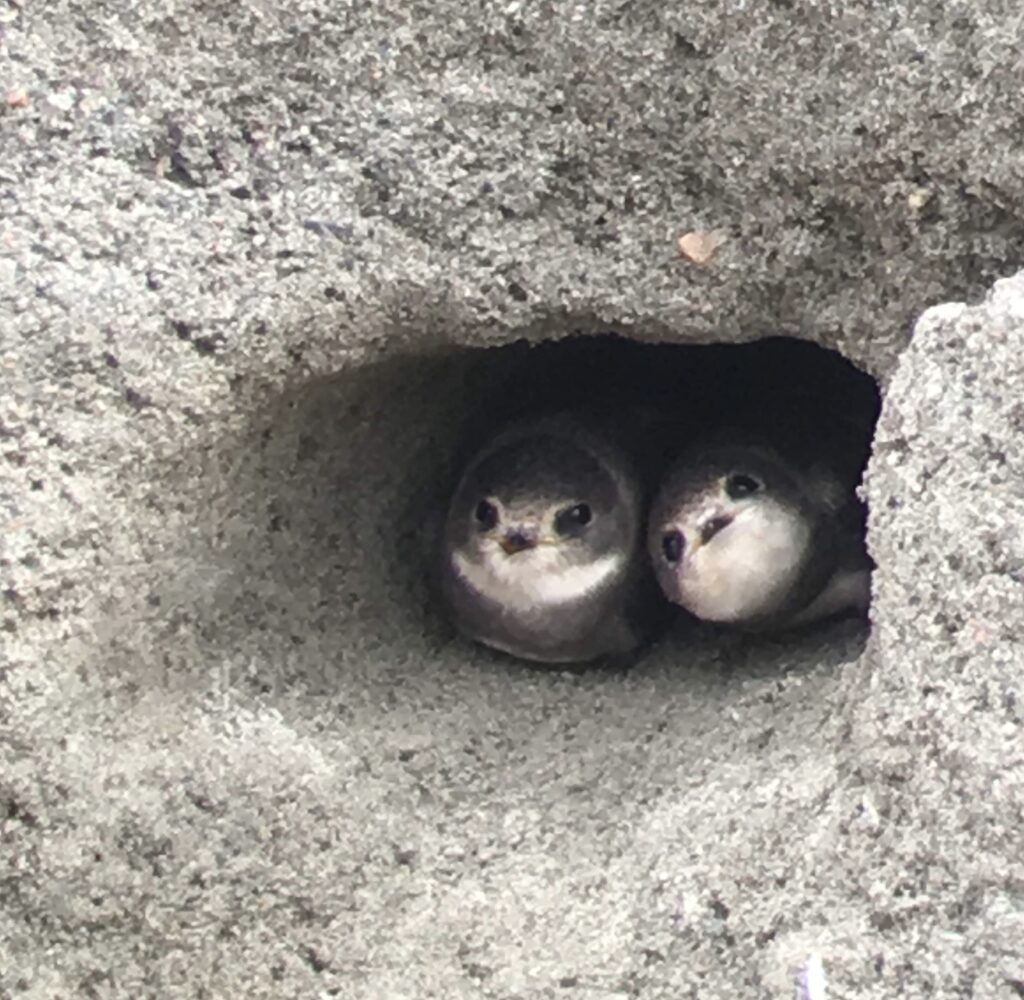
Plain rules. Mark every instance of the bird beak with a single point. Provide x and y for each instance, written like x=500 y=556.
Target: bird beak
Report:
x=518 y=540
x=711 y=527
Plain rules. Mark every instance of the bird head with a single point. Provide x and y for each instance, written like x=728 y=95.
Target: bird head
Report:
x=730 y=534
x=535 y=512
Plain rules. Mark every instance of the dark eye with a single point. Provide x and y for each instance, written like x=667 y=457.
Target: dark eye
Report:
x=573 y=517
x=739 y=484
x=486 y=515
x=672 y=545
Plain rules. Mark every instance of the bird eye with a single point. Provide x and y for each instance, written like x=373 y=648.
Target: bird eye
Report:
x=576 y=516
x=739 y=485
x=672 y=545
x=486 y=515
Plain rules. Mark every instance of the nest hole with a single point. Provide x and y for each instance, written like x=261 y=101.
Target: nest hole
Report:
x=355 y=470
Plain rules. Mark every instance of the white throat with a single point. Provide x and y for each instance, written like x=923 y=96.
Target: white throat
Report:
x=538 y=578
x=750 y=567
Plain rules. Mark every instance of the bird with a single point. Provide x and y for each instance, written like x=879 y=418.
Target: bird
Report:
x=760 y=533
x=542 y=553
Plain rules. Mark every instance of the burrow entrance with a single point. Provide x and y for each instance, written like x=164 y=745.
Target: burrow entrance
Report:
x=354 y=471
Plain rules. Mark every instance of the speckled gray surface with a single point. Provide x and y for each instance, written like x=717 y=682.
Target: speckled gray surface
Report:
x=243 y=249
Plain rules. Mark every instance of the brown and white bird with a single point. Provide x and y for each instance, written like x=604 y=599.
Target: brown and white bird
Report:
x=543 y=550
x=745 y=532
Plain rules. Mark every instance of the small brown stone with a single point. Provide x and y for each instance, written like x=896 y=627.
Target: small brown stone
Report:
x=700 y=245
